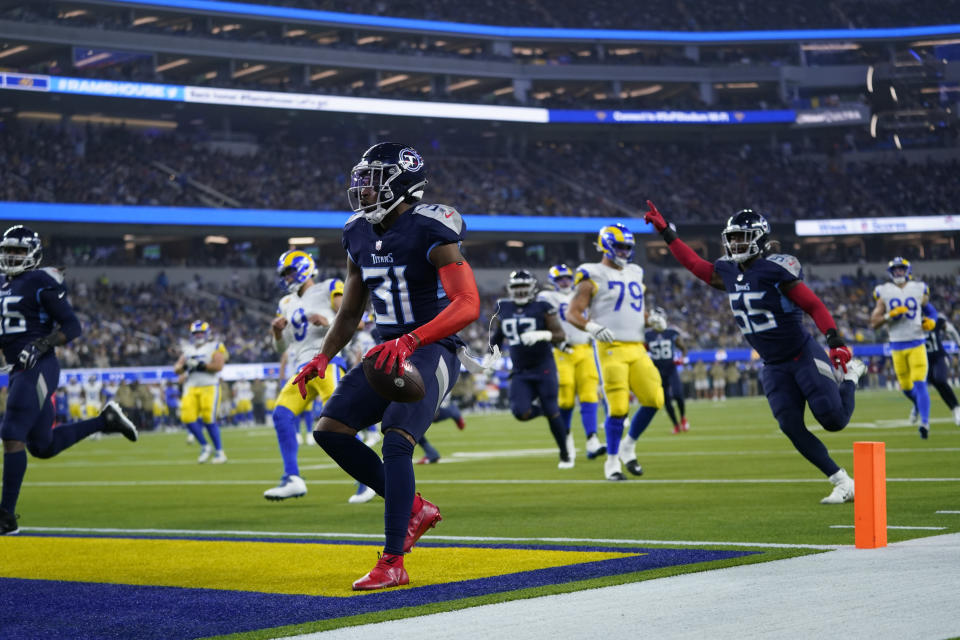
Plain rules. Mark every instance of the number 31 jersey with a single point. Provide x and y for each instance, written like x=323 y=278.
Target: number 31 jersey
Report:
x=617 y=300
x=768 y=320
x=404 y=285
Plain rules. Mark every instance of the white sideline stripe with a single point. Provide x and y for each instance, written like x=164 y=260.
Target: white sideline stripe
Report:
x=948 y=511
x=889 y=526
x=296 y=534
x=638 y=483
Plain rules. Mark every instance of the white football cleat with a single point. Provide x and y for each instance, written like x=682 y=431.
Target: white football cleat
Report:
x=361 y=497
x=205 y=452
x=611 y=469
x=914 y=415
x=220 y=458
x=299 y=439
x=855 y=369
x=956 y=416
x=842 y=489
x=594 y=447
x=289 y=487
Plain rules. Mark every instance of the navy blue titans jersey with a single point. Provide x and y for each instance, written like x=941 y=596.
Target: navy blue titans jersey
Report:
x=944 y=331
x=769 y=321
x=661 y=346
x=517 y=319
x=32 y=305
x=404 y=285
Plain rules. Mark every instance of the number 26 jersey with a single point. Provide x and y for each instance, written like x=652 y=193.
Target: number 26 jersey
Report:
x=617 y=301
x=770 y=322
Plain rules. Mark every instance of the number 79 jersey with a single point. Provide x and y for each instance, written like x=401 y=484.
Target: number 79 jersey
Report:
x=617 y=301
x=770 y=322
x=404 y=285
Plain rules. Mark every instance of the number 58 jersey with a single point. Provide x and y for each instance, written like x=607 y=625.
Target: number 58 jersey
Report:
x=768 y=320
x=404 y=285
x=617 y=300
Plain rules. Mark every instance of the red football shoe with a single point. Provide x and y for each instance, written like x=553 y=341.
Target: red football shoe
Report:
x=676 y=428
x=423 y=516
x=388 y=572
x=461 y=424
x=684 y=425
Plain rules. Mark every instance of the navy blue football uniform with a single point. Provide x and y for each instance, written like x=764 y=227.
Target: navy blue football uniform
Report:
x=662 y=345
x=937 y=373
x=406 y=293
x=796 y=370
x=32 y=304
x=534 y=372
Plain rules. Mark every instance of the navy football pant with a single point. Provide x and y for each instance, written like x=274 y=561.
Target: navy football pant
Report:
x=525 y=386
x=808 y=379
x=937 y=376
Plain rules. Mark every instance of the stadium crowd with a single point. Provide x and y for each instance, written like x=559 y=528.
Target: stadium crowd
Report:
x=698 y=182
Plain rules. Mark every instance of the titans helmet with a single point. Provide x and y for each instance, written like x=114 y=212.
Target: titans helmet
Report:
x=296 y=262
x=615 y=241
x=746 y=235
x=20 y=250
x=389 y=172
x=902 y=265
x=521 y=286
x=657 y=319
x=557 y=272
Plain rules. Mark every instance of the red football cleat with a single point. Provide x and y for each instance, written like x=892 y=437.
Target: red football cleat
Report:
x=388 y=572
x=684 y=425
x=427 y=460
x=423 y=516
x=676 y=428
x=461 y=424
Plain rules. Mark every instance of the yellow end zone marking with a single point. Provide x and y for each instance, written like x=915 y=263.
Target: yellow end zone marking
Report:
x=266 y=567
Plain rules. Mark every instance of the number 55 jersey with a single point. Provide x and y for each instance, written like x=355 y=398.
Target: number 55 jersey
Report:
x=768 y=320
x=617 y=300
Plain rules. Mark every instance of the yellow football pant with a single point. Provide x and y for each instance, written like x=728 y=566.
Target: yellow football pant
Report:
x=322 y=388
x=577 y=375
x=626 y=367
x=200 y=402
x=910 y=365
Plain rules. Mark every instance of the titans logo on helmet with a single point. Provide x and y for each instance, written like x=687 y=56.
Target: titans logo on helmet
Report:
x=410 y=160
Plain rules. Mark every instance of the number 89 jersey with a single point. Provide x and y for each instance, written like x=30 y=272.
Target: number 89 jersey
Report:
x=906 y=330
x=768 y=320
x=404 y=285
x=617 y=301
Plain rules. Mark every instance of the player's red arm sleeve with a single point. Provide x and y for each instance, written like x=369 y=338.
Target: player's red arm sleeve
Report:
x=802 y=296
x=689 y=259
x=461 y=287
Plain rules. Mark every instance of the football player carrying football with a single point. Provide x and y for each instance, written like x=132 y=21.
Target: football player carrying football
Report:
x=611 y=294
x=404 y=256
x=577 y=372
x=768 y=297
x=903 y=305
x=530 y=328
x=36 y=318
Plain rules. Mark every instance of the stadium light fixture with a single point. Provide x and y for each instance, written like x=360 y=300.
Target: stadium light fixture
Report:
x=248 y=70
x=515 y=243
x=295 y=33
x=13 y=51
x=94 y=58
x=144 y=20
x=73 y=14
x=216 y=240
x=870 y=79
x=400 y=77
x=463 y=84
x=39 y=115
x=301 y=240
x=873 y=125
x=173 y=64
x=896 y=141
x=324 y=74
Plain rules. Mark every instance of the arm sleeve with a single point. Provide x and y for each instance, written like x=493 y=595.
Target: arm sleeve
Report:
x=461 y=287
x=55 y=302
x=802 y=296
x=929 y=311
x=691 y=261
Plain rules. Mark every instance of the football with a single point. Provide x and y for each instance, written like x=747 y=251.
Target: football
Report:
x=396 y=388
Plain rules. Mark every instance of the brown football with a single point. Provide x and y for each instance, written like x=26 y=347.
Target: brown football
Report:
x=396 y=388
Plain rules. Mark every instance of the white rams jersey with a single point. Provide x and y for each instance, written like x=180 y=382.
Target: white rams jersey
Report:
x=617 y=300
x=243 y=390
x=270 y=387
x=74 y=393
x=304 y=339
x=561 y=302
x=91 y=391
x=202 y=353
x=907 y=327
x=157 y=394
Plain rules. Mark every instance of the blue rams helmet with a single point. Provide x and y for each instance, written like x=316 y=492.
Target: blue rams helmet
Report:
x=902 y=265
x=199 y=331
x=615 y=241
x=746 y=235
x=558 y=271
x=299 y=264
x=20 y=250
x=521 y=286
x=388 y=173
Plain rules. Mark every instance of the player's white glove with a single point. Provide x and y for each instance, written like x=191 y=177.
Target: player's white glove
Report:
x=532 y=337
x=600 y=332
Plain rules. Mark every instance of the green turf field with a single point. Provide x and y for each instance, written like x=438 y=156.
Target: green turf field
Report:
x=732 y=482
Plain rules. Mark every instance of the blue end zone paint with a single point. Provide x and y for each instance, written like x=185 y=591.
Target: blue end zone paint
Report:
x=42 y=609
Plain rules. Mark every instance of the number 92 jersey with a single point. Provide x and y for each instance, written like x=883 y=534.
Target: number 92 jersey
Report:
x=768 y=320
x=404 y=285
x=617 y=300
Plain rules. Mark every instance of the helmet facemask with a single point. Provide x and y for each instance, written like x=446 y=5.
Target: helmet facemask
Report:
x=898 y=274
x=375 y=179
x=522 y=288
x=742 y=244
x=19 y=253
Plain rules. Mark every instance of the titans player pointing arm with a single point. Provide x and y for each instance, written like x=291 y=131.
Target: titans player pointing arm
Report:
x=406 y=257
x=36 y=317
x=767 y=297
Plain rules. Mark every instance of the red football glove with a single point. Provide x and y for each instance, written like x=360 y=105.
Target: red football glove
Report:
x=840 y=356
x=393 y=351
x=316 y=368
x=653 y=217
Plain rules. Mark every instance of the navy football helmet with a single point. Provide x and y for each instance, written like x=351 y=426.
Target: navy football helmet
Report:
x=522 y=286
x=388 y=173
x=899 y=270
x=658 y=319
x=746 y=235
x=20 y=250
